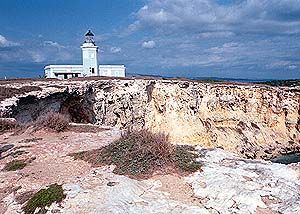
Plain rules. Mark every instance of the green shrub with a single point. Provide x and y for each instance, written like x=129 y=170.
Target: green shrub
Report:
x=141 y=153
x=43 y=198
x=15 y=165
x=185 y=159
x=288 y=83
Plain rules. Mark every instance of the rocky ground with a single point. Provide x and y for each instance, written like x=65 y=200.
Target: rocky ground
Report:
x=226 y=184
x=235 y=127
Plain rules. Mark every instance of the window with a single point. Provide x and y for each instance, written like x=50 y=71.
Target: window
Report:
x=65 y=76
x=76 y=75
x=92 y=70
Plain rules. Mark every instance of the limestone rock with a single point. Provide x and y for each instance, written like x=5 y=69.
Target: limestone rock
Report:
x=234 y=185
x=255 y=121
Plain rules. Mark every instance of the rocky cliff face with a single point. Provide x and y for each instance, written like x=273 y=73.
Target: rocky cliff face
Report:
x=254 y=121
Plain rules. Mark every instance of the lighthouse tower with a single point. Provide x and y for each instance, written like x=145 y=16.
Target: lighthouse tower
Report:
x=89 y=56
x=89 y=65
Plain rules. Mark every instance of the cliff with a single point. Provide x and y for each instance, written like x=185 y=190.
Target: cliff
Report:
x=255 y=121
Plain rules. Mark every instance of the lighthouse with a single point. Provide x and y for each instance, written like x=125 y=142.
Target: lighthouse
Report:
x=89 y=56
x=89 y=67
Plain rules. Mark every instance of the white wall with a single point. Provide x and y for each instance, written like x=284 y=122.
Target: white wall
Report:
x=89 y=59
x=58 y=71
x=112 y=70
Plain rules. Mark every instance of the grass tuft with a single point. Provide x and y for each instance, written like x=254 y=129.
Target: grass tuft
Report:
x=52 y=120
x=15 y=165
x=43 y=198
x=139 y=154
x=6 y=124
x=7 y=92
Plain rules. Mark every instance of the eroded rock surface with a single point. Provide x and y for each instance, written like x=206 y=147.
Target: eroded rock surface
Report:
x=229 y=184
x=255 y=121
x=226 y=185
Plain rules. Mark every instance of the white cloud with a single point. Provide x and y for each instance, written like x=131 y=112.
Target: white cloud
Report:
x=206 y=16
x=216 y=34
x=53 y=44
x=132 y=28
x=292 y=67
x=283 y=65
x=101 y=37
x=37 y=56
x=226 y=48
x=6 y=43
x=149 y=44
x=279 y=64
x=115 y=50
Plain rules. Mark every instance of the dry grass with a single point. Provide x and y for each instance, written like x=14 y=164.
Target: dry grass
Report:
x=7 y=92
x=140 y=154
x=7 y=125
x=52 y=120
x=86 y=128
x=25 y=196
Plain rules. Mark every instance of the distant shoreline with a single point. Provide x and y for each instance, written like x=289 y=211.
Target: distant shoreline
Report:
x=271 y=82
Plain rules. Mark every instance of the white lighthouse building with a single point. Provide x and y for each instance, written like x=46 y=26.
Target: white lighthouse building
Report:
x=89 y=65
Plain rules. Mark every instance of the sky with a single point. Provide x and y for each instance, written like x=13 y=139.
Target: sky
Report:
x=251 y=39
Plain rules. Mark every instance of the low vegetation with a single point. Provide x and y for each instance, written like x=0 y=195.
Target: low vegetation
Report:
x=7 y=92
x=141 y=153
x=23 y=197
x=43 y=198
x=185 y=159
x=52 y=120
x=86 y=128
x=15 y=165
x=7 y=125
x=288 y=83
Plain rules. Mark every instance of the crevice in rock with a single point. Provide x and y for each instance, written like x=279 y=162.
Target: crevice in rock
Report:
x=298 y=122
x=79 y=108
x=29 y=108
x=149 y=89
